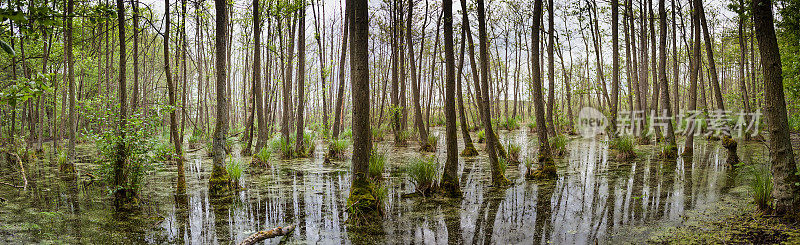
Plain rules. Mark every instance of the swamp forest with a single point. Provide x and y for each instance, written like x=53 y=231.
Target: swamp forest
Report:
x=399 y=122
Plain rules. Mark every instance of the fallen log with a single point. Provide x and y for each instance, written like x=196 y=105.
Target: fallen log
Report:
x=267 y=234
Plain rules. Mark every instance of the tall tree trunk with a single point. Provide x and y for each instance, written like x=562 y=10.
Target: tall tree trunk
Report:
x=260 y=112
x=675 y=68
x=173 y=120
x=786 y=190
x=362 y=142
x=337 y=121
x=423 y=132
x=121 y=195
x=321 y=52
x=662 y=77
x=551 y=88
x=614 y=65
x=473 y=66
x=287 y=86
x=742 y=63
x=450 y=181
x=219 y=182
x=135 y=100
x=688 y=147
x=301 y=80
x=498 y=177
x=546 y=165
x=69 y=166
x=469 y=148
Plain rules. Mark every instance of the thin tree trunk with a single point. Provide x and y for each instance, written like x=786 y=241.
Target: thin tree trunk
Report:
x=121 y=195
x=550 y=70
x=301 y=79
x=423 y=132
x=544 y=158
x=173 y=120
x=337 y=121
x=450 y=182
x=662 y=76
x=219 y=182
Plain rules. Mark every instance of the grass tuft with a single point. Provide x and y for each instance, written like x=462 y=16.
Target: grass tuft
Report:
x=558 y=145
x=422 y=172
x=376 y=165
x=762 y=187
x=234 y=168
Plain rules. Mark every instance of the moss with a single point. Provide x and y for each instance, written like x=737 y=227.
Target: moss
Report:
x=219 y=184
x=469 y=151
x=449 y=188
x=363 y=204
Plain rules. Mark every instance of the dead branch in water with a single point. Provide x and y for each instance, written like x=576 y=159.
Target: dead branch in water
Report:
x=267 y=234
x=15 y=186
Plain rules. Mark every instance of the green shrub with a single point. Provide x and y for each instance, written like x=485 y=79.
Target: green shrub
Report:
x=403 y=137
x=163 y=151
x=423 y=172
x=481 y=135
x=378 y=133
x=503 y=163
x=309 y=142
x=558 y=145
x=794 y=122
x=438 y=121
x=194 y=139
x=347 y=133
x=234 y=168
x=762 y=187
x=62 y=158
x=376 y=163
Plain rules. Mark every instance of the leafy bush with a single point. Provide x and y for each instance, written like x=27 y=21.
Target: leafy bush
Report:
x=558 y=145
x=138 y=143
x=422 y=172
x=794 y=122
x=762 y=187
x=194 y=139
x=481 y=135
x=62 y=158
x=438 y=121
x=234 y=168
x=376 y=163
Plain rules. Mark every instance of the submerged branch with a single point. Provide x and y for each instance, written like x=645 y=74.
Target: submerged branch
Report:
x=267 y=234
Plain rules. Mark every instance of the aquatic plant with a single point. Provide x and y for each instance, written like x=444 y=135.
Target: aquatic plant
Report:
x=309 y=143
x=762 y=187
x=503 y=163
x=164 y=151
x=403 y=137
x=194 y=139
x=423 y=172
x=261 y=158
x=558 y=145
x=377 y=161
x=623 y=148
x=481 y=135
x=234 y=168
x=667 y=151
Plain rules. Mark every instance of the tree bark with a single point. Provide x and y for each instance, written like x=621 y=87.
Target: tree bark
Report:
x=450 y=181
x=219 y=183
x=423 y=132
x=544 y=157
x=469 y=147
x=301 y=81
x=662 y=77
x=120 y=195
x=785 y=190
x=337 y=121
x=173 y=120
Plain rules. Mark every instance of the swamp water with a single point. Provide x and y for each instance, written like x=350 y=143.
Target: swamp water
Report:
x=592 y=200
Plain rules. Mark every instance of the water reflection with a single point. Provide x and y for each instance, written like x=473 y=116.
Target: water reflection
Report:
x=592 y=198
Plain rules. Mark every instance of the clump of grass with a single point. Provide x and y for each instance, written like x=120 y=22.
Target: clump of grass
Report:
x=623 y=148
x=279 y=145
x=513 y=152
x=528 y=163
x=438 y=121
x=347 y=133
x=422 y=172
x=234 y=168
x=558 y=145
x=377 y=161
x=402 y=138
x=532 y=125
x=194 y=139
x=261 y=158
x=210 y=148
x=481 y=135
x=309 y=143
x=164 y=152
x=62 y=158
x=378 y=133
x=510 y=123
x=337 y=148
x=432 y=142
x=762 y=188
x=503 y=164
x=667 y=151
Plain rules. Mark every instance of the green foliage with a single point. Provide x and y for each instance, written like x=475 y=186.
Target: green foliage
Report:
x=438 y=121
x=376 y=164
x=481 y=135
x=23 y=89
x=622 y=143
x=423 y=172
x=195 y=138
x=234 y=167
x=62 y=158
x=309 y=142
x=378 y=133
x=163 y=151
x=138 y=144
x=403 y=137
x=347 y=133
x=762 y=187
x=794 y=122
x=503 y=164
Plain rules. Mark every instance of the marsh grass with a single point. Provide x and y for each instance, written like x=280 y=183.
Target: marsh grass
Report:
x=261 y=158
x=481 y=135
x=234 y=167
x=513 y=152
x=623 y=148
x=377 y=161
x=423 y=172
x=337 y=148
x=509 y=123
x=558 y=145
x=762 y=187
